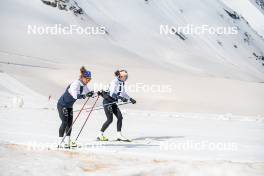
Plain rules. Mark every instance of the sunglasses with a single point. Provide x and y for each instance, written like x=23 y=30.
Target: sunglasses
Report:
x=88 y=79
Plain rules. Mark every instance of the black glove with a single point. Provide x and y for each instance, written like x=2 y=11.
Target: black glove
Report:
x=133 y=101
x=105 y=95
x=122 y=99
x=79 y=96
x=101 y=93
x=90 y=94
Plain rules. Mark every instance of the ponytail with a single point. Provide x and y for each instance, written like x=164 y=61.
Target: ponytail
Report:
x=117 y=73
x=82 y=70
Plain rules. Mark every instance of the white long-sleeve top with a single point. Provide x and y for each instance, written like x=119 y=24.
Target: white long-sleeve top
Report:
x=78 y=88
x=117 y=88
x=74 y=91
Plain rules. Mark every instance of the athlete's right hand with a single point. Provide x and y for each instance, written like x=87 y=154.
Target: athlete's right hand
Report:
x=90 y=94
x=83 y=96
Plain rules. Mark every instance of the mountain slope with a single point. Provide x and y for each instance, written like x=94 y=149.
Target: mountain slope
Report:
x=206 y=73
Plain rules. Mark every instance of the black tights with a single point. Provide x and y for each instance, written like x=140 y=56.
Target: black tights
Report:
x=109 y=111
x=66 y=116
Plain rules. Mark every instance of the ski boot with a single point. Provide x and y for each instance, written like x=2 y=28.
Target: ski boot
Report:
x=69 y=143
x=73 y=144
x=102 y=138
x=67 y=146
x=60 y=143
x=120 y=137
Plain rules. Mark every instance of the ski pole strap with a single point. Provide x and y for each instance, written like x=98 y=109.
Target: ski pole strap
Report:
x=87 y=118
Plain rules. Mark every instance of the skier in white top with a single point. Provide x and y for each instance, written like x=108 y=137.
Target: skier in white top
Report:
x=116 y=92
x=76 y=90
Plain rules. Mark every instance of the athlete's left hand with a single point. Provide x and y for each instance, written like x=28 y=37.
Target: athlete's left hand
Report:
x=133 y=101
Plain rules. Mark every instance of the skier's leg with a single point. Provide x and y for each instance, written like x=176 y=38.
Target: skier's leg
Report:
x=70 y=143
x=69 y=122
x=119 y=117
x=63 y=113
x=64 y=121
x=109 y=115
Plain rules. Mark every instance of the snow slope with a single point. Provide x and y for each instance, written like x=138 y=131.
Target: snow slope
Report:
x=128 y=25
x=163 y=143
x=216 y=95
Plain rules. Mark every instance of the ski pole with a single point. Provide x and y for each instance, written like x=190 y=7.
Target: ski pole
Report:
x=102 y=106
x=96 y=106
x=87 y=118
x=75 y=120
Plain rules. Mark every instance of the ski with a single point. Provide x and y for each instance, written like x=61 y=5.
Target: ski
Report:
x=122 y=140
x=145 y=142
